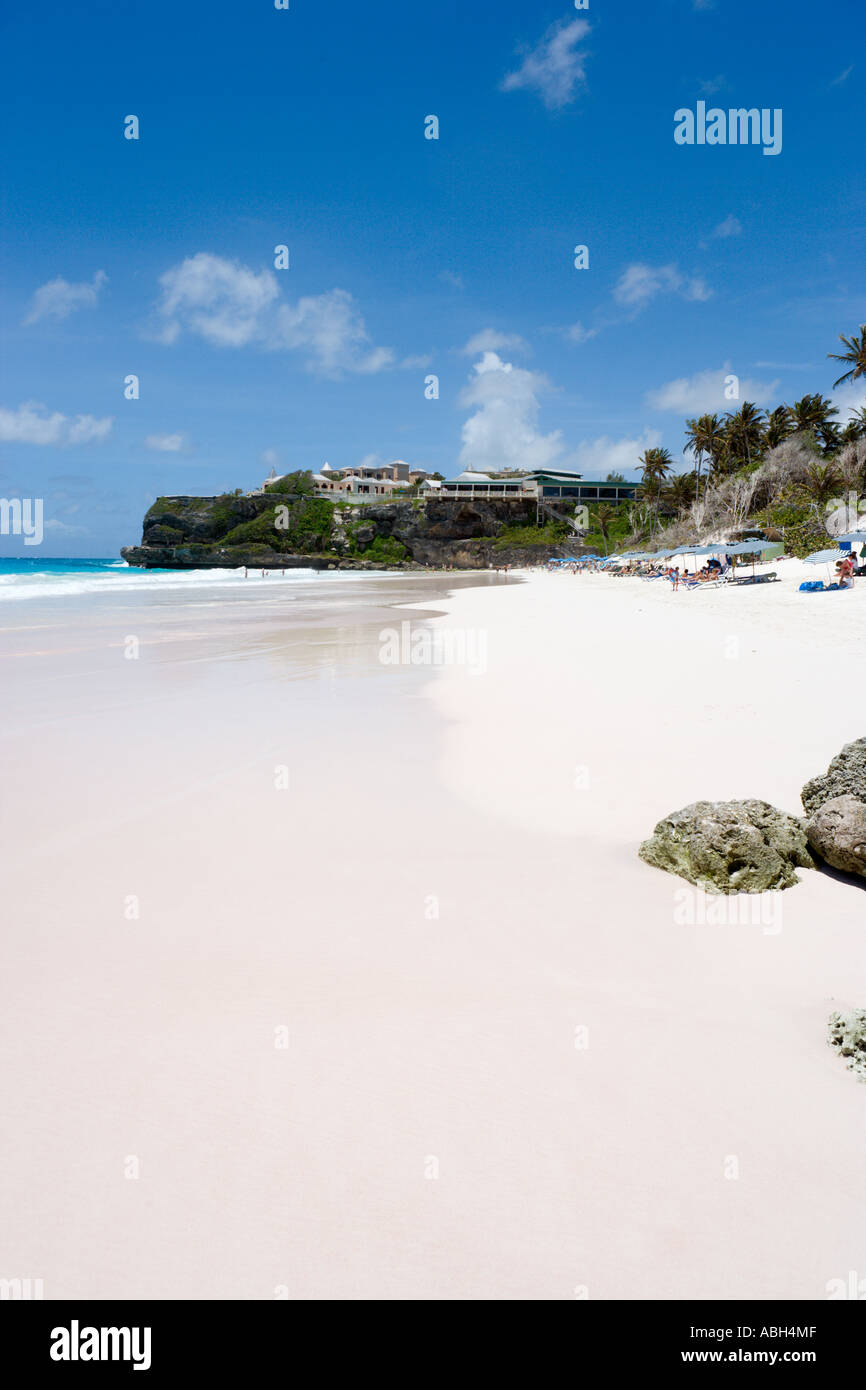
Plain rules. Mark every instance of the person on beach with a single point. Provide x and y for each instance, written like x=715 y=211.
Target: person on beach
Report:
x=846 y=573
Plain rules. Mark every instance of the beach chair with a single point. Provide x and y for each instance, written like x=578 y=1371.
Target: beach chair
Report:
x=771 y=578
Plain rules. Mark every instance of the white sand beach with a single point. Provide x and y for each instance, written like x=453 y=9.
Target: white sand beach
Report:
x=325 y=978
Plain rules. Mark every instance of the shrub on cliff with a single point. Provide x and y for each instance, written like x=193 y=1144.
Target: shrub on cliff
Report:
x=553 y=533
x=308 y=528
x=300 y=483
x=384 y=550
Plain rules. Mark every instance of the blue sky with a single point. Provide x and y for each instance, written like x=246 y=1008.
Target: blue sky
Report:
x=408 y=257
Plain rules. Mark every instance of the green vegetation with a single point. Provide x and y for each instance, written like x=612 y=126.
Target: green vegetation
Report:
x=784 y=471
x=552 y=533
x=381 y=550
x=616 y=529
x=308 y=527
x=224 y=509
x=299 y=484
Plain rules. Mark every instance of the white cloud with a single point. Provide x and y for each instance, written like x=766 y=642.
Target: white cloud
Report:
x=576 y=333
x=596 y=458
x=52 y=524
x=330 y=327
x=704 y=393
x=503 y=430
x=843 y=76
x=848 y=398
x=166 y=443
x=230 y=305
x=490 y=340
x=449 y=277
x=640 y=283
x=417 y=362
x=714 y=84
x=31 y=424
x=59 y=298
x=221 y=301
x=555 y=68
x=696 y=288
x=731 y=226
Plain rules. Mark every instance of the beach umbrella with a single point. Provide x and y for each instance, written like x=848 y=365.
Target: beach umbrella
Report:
x=752 y=548
x=822 y=557
x=852 y=539
x=694 y=550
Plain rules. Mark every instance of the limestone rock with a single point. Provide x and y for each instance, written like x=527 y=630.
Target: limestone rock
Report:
x=231 y=531
x=846 y=776
x=730 y=846
x=847 y=1035
x=837 y=832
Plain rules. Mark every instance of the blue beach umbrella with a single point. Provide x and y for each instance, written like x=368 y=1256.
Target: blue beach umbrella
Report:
x=752 y=548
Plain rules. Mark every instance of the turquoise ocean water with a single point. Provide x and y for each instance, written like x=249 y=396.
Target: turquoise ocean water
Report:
x=40 y=578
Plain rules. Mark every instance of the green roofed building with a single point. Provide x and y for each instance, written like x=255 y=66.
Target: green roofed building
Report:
x=549 y=484
x=553 y=483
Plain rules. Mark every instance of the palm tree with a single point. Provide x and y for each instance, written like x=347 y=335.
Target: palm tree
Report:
x=603 y=516
x=812 y=413
x=821 y=481
x=655 y=465
x=778 y=426
x=855 y=356
x=704 y=439
x=745 y=429
x=856 y=426
x=682 y=491
x=830 y=435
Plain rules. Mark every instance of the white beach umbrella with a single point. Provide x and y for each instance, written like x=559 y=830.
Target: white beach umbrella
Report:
x=821 y=557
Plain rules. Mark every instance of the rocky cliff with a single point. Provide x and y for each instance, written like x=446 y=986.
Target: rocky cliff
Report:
x=285 y=532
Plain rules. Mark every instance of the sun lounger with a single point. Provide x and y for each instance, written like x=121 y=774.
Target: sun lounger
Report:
x=771 y=578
